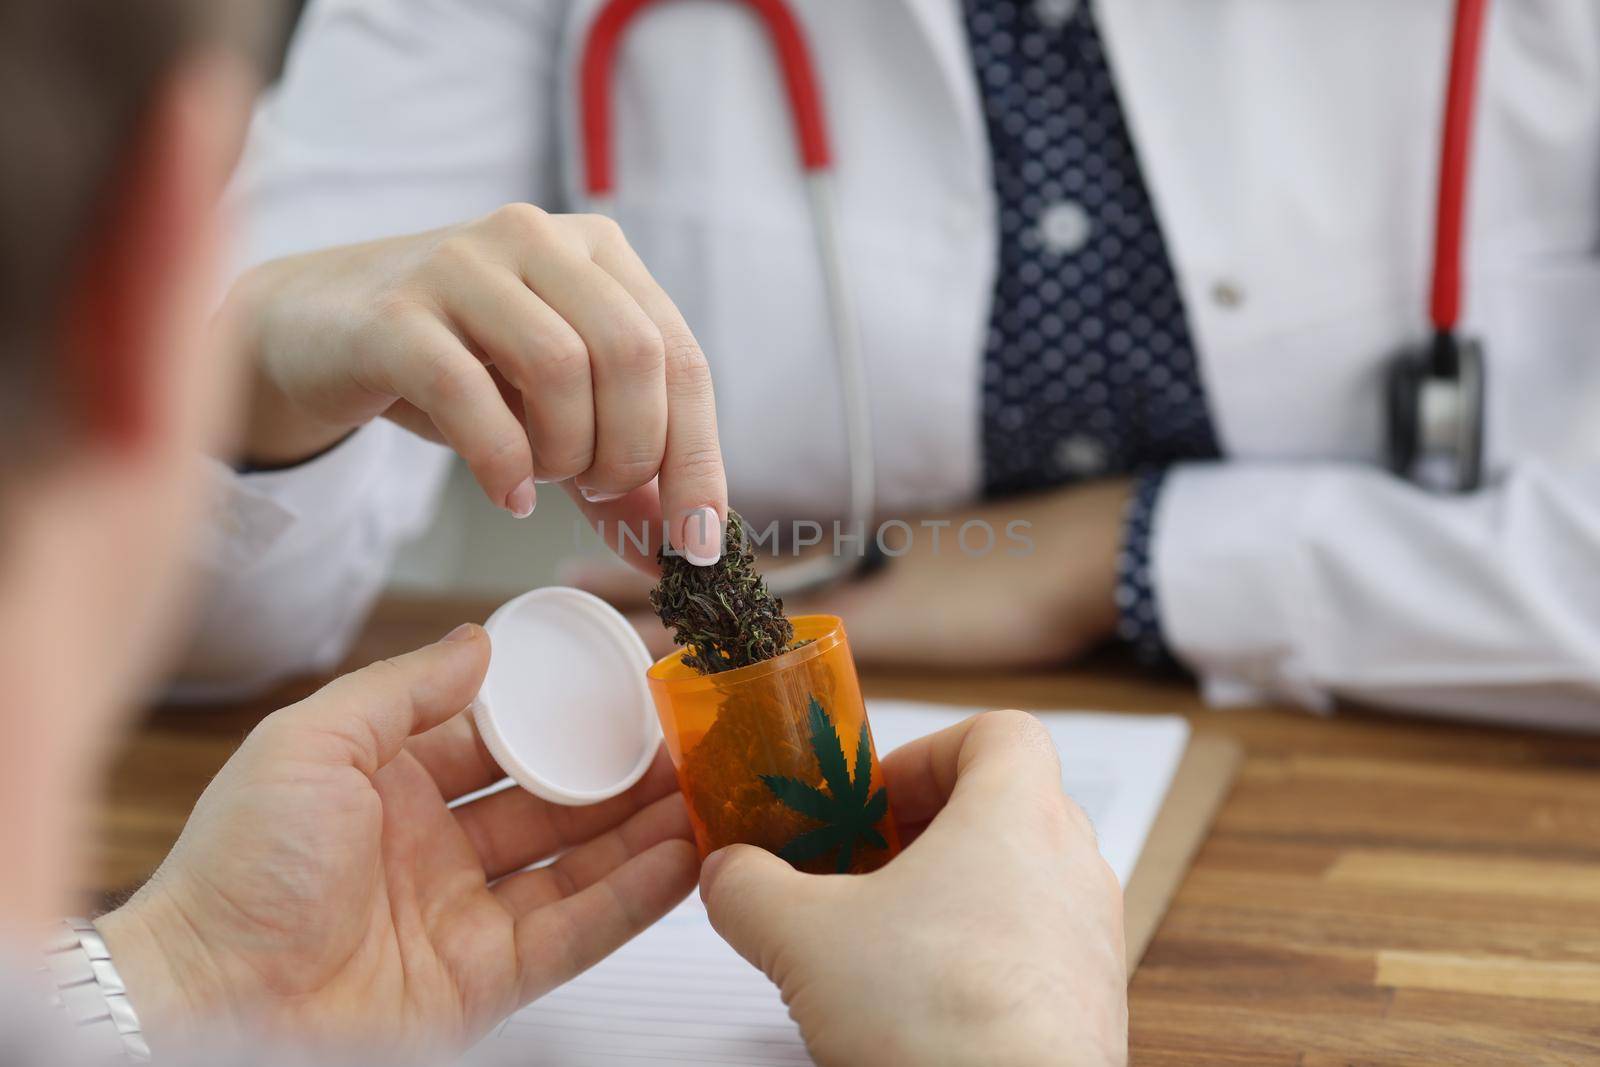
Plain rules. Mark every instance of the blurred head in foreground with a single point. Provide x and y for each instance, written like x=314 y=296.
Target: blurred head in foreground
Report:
x=120 y=124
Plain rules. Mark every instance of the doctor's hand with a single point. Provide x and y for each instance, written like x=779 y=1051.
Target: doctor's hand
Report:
x=322 y=892
x=994 y=938
x=537 y=346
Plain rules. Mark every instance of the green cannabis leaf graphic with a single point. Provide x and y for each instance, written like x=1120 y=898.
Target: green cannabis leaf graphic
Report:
x=847 y=814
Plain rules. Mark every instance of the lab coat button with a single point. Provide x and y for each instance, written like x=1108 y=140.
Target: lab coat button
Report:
x=1227 y=294
x=1054 y=13
x=1064 y=227
x=1081 y=455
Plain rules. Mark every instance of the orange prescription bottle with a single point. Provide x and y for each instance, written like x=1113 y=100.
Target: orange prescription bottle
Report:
x=779 y=754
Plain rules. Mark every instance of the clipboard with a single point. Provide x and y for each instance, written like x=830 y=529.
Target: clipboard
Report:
x=1202 y=782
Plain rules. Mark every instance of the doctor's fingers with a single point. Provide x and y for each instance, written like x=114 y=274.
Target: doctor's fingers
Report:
x=425 y=364
x=541 y=356
x=627 y=364
x=692 y=475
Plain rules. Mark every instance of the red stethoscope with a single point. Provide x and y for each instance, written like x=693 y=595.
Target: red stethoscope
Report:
x=1435 y=396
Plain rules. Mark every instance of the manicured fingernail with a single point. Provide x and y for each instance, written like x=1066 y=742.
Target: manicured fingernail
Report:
x=523 y=497
x=702 y=537
x=463 y=632
x=595 y=496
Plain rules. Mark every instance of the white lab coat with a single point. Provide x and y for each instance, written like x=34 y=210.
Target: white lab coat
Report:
x=1290 y=149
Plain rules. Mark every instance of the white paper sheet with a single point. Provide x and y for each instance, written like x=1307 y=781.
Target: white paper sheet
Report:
x=679 y=995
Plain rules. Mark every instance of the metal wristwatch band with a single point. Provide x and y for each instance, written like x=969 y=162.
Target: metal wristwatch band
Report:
x=87 y=987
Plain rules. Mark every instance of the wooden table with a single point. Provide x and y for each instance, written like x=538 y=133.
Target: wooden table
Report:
x=1376 y=890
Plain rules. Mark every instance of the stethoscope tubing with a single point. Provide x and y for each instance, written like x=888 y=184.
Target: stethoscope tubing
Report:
x=596 y=70
x=1455 y=147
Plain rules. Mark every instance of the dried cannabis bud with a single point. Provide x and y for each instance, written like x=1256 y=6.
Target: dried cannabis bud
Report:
x=722 y=615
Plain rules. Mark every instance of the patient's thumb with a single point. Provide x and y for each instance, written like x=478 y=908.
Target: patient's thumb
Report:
x=756 y=901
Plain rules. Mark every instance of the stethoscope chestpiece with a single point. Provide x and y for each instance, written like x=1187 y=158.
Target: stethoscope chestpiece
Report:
x=1436 y=394
x=1436 y=414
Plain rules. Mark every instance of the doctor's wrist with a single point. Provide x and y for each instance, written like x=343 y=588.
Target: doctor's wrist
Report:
x=1079 y=532
x=280 y=431
x=279 y=436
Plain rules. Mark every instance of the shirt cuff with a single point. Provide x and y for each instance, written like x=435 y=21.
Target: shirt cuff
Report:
x=1138 y=614
x=256 y=511
x=1226 y=539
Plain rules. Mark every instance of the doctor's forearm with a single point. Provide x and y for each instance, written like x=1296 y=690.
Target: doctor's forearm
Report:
x=1034 y=601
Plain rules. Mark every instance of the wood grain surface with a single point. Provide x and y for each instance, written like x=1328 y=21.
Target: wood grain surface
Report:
x=1376 y=890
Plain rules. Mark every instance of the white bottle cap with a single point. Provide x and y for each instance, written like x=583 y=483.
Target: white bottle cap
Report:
x=565 y=709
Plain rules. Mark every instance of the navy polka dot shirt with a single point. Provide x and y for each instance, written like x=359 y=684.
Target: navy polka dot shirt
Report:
x=1089 y=369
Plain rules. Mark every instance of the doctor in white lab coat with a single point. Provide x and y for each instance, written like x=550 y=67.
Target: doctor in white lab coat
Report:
x=1289 y=151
